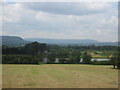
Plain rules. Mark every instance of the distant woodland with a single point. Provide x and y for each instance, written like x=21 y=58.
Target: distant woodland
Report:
x=39 y=53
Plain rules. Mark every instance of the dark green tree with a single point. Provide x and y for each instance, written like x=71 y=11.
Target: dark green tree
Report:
x=72 y=60
x=62 y=54
x=51 y=58
x=25 y=59
x=77 y=55
x=115 y=60
x=74 y=56
x=34 y=48
x=86 y=58
x=62 y=60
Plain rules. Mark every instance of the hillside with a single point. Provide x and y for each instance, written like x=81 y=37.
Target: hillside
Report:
x=63 y=41
x=18 y=41
x=84 y=42
x=12 y=41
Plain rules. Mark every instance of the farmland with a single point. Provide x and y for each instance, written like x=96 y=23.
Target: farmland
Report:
x=59 y=76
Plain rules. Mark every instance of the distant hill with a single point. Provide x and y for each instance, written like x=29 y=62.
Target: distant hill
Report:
x=62 y=41
x=18 y=41
x=84 y=42
x=12 y=41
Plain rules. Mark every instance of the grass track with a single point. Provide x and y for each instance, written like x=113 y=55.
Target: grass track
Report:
x=59 y=76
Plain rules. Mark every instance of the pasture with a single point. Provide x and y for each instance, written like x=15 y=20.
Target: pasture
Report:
x=59 y=76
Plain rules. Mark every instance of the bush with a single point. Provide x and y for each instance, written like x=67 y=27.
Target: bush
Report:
x=101 y=62
x=20 y=59
x=10 y=59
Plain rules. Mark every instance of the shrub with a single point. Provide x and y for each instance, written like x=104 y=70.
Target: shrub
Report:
x=95 y=62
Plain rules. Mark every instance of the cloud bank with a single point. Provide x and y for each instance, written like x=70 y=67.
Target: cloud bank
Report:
x=61 y=20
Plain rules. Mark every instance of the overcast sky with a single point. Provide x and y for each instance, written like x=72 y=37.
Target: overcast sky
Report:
x=61 y=20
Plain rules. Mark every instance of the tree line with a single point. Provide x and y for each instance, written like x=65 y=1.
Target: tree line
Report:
x=28 y=49
x=33 y=53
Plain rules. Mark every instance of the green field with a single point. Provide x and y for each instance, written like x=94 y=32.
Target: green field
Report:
x=59 y=76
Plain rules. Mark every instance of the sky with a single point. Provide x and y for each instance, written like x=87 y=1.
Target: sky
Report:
x=61 y=20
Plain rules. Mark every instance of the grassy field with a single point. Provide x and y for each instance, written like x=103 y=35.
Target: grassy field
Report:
x=98 y=56
x=59 y=76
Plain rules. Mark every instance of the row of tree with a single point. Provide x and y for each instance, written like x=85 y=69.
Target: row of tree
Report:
x=33 y=53
x=30 y=49
x=20 y=59
x=36 y=47
x=83 y=48
x=64 y=58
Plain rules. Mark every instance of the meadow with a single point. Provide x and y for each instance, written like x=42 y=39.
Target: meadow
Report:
x=59 y=76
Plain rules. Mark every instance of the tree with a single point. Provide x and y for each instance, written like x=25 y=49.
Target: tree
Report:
x=35 y=61
x=86 y=58
x=74 y=56
x=35 y=47
x=77 y=55
x=25 y=59
x=115 y=60
x=10 y=59
x=62 y=54
x=62 y=60
x=51 y=58
x=72 y=60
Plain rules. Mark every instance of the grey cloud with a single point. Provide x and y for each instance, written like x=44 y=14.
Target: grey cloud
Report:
x=68 y=8
x=60 y=20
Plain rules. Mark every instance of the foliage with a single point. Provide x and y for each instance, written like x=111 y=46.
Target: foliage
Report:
x=20 y=59
x=33 y=53
x=10 y=59
x=115 y=59
x=86 y=58
x=51 y=58
x=62 y=60
x=95 y=62
x=31 y=48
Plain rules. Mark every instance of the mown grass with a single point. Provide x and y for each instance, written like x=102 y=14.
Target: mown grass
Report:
x=59 y=76
x=98 y=56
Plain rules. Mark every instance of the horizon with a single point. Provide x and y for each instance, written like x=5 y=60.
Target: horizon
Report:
x=63 y=20
x=59 y=38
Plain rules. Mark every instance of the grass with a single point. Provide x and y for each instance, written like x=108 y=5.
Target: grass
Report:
x=98 y=56
x=59 y=76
